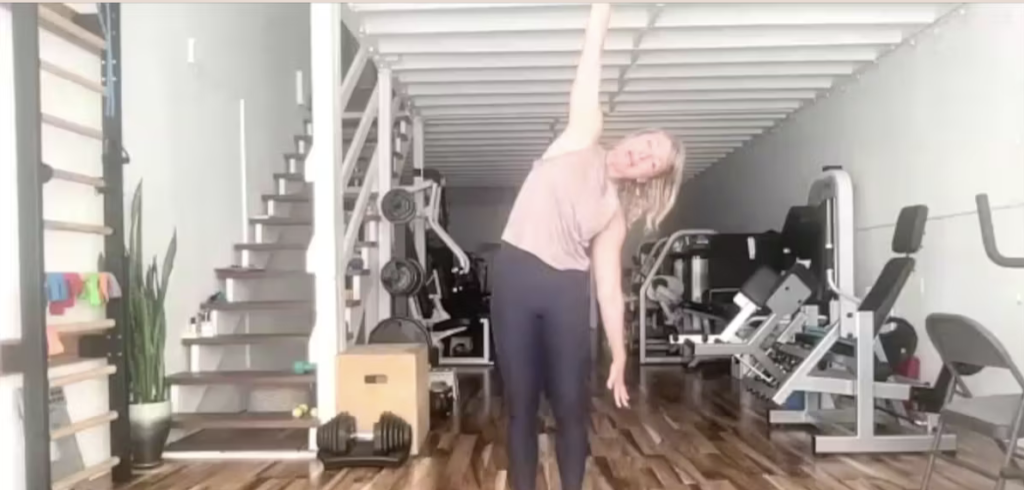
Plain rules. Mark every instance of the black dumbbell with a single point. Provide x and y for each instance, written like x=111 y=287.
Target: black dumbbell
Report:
x=391 y=434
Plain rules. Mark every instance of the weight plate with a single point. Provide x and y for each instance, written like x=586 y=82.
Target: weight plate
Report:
x=402 y=277
x=900 y=343
x=398 y=206
x=399 y=330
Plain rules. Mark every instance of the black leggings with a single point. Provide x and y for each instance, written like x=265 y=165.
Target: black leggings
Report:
x=542 y=337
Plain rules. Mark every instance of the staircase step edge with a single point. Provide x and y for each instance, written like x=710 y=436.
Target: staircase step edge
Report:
x=244 y=420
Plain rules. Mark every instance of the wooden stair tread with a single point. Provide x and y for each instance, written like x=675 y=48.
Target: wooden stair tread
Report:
x=270 y=247
x=259 y=305
x=289 y=197
x=281 y=221
x=242 y=377
x=248 y=440
x=242 y=420
x=275 y=247
x=290 y=176
x=353 y=192
x=257 y=273
x=245 y=339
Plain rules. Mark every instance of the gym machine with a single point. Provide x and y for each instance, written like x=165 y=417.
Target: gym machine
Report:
x=783 y=299
x=849 y=358
x=653 y=350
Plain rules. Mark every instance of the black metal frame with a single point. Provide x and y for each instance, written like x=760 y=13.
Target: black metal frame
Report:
x=33 y=363
x=29 y=356
x=112 y=343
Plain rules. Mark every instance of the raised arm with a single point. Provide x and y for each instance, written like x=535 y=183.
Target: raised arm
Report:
x=585 y=118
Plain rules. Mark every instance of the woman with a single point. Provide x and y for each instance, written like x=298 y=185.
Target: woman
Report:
x=577 y=198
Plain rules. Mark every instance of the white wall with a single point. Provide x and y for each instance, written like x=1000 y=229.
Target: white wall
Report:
x=182 y=129
x=934 y=123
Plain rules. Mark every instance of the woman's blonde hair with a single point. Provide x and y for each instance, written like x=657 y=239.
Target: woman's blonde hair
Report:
x=652 y=199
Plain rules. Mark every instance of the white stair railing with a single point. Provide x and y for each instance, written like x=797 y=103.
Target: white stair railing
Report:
x=330 y=96
x=337 y=231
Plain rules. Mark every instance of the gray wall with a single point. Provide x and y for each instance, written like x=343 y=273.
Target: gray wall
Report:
x=477 y=215
x=934 y=123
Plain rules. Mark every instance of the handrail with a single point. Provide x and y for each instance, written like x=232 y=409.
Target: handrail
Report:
x=988 y=236
x=355 y=148
x=348 y=243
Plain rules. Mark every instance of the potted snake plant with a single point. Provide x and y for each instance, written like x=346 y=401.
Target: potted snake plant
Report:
x=149 y=410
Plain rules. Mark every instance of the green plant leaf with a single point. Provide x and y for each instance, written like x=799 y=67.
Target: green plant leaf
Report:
x=169 y=255
x=147 y=323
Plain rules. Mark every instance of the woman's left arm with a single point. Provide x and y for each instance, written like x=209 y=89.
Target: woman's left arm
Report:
x=606 y=256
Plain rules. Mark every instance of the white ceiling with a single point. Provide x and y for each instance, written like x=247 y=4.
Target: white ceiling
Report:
x=492 y=80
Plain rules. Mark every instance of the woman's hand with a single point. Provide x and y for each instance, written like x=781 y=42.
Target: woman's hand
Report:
x=586 y=121
x=606 y=256
x=617 y=382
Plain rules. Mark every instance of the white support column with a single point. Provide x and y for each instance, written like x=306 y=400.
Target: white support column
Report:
x=418 y=227
x=322 y=166
x=385 y=165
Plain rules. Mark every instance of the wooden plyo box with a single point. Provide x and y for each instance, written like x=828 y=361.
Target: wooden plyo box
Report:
x=372 y=379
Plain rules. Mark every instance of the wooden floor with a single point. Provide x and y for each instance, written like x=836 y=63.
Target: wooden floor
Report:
x=683 y=432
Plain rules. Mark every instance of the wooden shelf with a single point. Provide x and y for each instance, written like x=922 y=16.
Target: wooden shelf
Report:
x=78 y=178
x=57 y=71
x=88 y=474
x=82 y=425
x=74 y=127
x=95 y=326
x=99 y=372
x=54 y=225
x=64 y=27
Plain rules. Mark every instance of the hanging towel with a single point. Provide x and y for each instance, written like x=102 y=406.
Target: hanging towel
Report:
x=56 y=292
x=91 y=291
x=54 y=347
x=73 y=283
x=103 y=286
x=113 y=288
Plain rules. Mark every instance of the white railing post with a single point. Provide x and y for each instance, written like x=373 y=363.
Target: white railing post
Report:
x=418 y=159
x=385 y=166
x=322 y=165
x=244 y=178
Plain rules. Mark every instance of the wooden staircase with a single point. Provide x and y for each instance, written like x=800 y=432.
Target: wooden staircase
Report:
x=261 y=329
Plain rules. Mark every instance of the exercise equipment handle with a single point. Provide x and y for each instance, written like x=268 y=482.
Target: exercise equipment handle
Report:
x=988 y=235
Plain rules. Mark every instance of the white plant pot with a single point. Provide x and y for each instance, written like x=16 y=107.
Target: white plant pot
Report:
x=150 y=425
